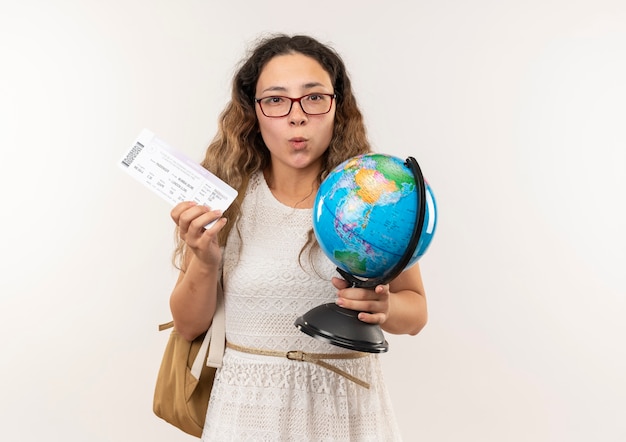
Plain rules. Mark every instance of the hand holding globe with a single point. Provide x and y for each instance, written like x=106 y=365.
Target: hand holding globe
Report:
x=374 y=216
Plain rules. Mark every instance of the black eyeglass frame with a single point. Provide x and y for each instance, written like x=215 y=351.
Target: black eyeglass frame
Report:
x=295 y=100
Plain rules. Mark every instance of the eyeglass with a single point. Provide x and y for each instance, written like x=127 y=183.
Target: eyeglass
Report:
x=312 y=104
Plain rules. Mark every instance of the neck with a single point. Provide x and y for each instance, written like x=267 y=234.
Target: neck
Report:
x=295 y=189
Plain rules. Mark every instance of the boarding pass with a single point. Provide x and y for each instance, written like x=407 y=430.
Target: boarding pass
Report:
x=174 y=176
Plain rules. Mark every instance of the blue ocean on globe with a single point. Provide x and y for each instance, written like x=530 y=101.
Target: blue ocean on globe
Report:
x=365 y=212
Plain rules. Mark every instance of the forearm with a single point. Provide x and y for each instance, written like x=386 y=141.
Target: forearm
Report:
x=193 y=299
x=408 y=313
x=407 y=303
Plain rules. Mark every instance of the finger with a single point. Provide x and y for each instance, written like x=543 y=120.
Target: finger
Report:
x=218 y=225
x=179 y=209
x=382 y=290
x=200 y=237
x=203 y=240
x=339 y=283
x=359 y=294
x=370 y=306
x=198 y=224
x=372 y=318
x=188 y=216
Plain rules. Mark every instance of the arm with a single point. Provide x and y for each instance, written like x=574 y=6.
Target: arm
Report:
x=399 y=307
x=193 y=298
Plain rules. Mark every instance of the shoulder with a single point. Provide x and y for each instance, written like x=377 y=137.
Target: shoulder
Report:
x=256 y=181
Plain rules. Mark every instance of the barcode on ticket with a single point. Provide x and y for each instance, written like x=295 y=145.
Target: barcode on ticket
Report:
x=132 y=154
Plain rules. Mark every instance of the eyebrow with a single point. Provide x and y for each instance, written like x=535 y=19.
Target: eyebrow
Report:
x=309 y=85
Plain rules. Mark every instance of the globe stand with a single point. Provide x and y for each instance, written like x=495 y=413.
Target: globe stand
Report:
x=342 y=327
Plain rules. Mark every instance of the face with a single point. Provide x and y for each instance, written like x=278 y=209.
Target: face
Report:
x=297 y=140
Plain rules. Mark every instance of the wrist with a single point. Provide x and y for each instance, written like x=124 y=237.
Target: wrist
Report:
x=202 y=268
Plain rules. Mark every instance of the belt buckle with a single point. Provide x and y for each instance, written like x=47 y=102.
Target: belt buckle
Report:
x=295 y=355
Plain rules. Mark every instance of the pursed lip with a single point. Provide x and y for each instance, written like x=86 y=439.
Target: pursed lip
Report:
x=298 y=142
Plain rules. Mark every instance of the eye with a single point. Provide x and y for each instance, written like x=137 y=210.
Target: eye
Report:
x=316 y=97
x=273 y=101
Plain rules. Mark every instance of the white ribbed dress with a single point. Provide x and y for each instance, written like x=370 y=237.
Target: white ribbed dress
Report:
x=266 y=398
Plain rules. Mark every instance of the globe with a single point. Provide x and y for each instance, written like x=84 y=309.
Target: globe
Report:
x=365 y=212
x=374 y=216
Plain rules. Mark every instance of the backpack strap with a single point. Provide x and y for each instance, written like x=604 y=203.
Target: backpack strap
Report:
x=218 y=332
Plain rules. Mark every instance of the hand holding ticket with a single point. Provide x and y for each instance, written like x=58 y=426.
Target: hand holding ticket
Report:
x=173 y=176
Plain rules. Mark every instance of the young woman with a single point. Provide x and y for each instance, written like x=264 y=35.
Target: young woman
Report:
x=292 y=118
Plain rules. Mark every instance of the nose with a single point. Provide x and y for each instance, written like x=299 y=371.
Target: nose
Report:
x=297 y=116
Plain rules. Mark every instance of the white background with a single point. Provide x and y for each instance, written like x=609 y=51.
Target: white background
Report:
x=515 y=110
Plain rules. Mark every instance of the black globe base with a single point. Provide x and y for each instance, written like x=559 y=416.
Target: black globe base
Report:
x=342 y=327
